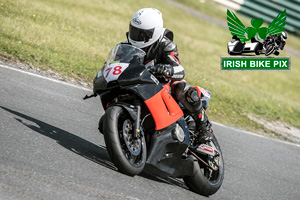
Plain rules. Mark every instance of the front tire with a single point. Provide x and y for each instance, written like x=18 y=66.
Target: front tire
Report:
x=203 y=181
x=126 y=152
x=269 y=50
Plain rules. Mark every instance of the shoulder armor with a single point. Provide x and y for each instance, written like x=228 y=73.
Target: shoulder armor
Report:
x=169 y=34
x=169 y=45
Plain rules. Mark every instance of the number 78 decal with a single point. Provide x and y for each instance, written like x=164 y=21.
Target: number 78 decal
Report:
x=114 y=70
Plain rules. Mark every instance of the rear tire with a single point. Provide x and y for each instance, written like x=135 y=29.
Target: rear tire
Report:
x=257 y=52
x=121 y=146
x=200 y=182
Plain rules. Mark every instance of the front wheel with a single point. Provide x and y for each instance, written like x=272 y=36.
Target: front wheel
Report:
x=207 y=181
x=126 y=152
x=269 y=50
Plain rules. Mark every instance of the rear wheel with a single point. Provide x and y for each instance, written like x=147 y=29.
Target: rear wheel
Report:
x=126 y=152
x=207 y=180
x=257 y=51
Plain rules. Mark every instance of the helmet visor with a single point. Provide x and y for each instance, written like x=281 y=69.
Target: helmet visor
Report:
x=138 y=35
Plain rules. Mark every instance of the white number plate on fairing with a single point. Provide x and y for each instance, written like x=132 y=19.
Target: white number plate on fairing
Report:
x=114 y=70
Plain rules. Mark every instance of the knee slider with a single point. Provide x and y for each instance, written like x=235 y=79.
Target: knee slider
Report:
x=192 y=96
x=179 y=91
x=187 y=96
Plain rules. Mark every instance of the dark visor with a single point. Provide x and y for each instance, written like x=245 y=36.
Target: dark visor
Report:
x=137 y=34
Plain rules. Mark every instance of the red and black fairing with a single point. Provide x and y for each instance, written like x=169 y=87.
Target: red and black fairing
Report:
x=137 y=80
x=140 y=93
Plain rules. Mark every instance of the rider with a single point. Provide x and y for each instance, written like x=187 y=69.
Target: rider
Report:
x=278 y=40
x=146 y=31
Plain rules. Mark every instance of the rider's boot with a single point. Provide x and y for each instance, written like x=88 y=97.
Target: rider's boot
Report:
x=203 y=125
x=190 y=98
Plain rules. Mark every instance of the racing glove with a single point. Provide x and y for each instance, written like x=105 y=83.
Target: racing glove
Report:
x=165 y=70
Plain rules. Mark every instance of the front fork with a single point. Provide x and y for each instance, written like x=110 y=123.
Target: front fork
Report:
x=137 y=130
x=135 y=114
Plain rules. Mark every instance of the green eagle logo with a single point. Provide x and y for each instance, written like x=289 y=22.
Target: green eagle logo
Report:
x=236 y=27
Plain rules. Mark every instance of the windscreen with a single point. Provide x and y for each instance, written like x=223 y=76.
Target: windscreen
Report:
x=123 y=53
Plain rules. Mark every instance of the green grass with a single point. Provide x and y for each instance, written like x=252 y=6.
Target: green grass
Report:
x=218 y=12
x=75 y=37
x=272 y=95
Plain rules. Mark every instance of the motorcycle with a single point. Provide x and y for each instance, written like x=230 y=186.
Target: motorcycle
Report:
x=144 y=128
x=272 y=45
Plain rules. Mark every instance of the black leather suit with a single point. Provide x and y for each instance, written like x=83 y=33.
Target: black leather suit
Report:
x=164 y=53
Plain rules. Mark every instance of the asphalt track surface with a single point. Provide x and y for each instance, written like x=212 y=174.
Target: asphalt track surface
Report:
x=51 y=149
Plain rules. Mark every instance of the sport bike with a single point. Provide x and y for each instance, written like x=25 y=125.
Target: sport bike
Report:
x=146 y=129
x=271 y=47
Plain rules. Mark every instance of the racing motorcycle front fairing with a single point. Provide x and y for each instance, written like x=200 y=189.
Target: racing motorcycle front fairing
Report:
x=125 y=82
x=129 y=76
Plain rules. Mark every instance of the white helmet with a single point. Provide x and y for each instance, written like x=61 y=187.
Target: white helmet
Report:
x=146 y=27
x=284 y=35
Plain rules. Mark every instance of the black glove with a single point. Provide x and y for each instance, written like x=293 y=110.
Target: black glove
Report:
x=165 y=70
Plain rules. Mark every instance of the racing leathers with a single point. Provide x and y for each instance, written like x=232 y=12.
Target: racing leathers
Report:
x=163 y=55
x=167 y=69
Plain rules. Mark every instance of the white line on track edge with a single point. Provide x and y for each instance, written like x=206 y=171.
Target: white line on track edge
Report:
x=47 y=78
x=254 y=134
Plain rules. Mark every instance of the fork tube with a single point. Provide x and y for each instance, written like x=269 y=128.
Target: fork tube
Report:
x=137 y=121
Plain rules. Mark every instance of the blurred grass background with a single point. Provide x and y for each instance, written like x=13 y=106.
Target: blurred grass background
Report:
x=74 y=37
